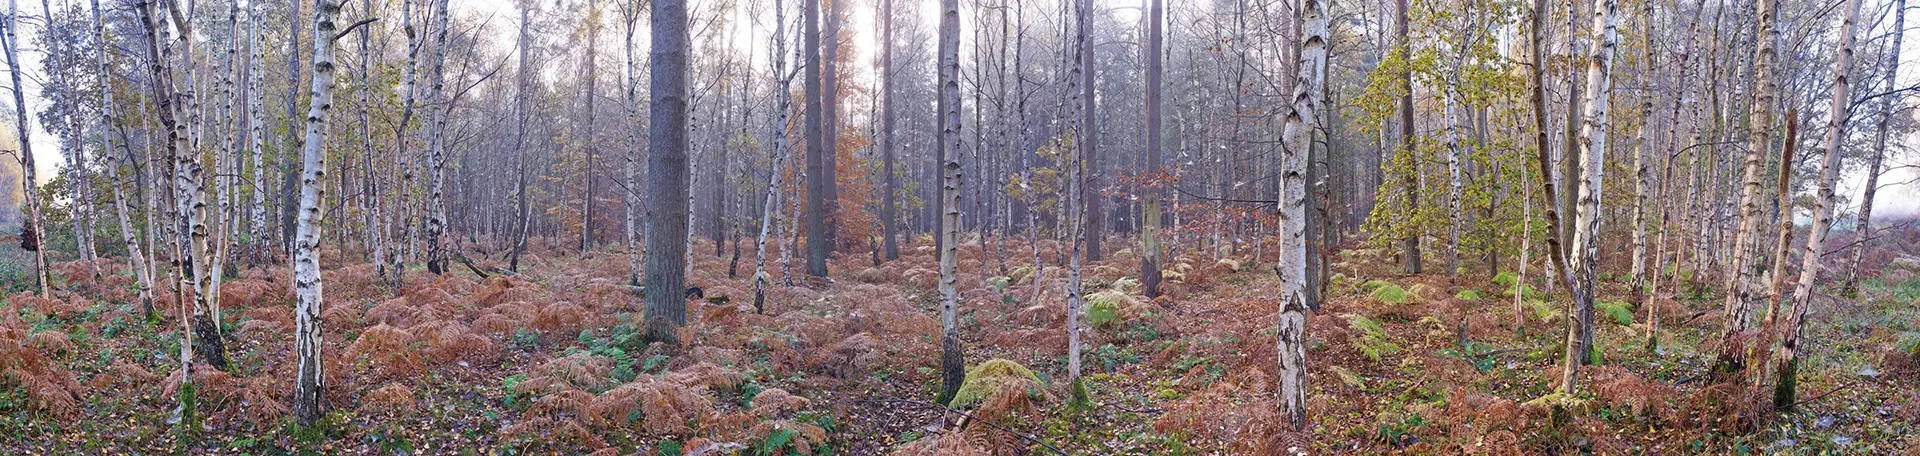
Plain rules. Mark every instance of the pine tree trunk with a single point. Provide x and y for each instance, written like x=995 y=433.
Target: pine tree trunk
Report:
x=1150 y=232
x=667 y=172
x=819 y=241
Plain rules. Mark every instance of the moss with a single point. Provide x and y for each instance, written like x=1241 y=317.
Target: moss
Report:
x=1467 y=295
x=1617 y=311
x=1104 y=308
x=1391 y=294
x=994 y=375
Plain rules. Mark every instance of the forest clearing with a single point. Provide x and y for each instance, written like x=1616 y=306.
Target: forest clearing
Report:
x=945 y=227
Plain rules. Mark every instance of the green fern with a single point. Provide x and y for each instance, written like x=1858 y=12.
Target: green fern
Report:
x=1391 y=294
x=1616 y=310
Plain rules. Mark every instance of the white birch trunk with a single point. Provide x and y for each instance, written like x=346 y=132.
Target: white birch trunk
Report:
x=1297 y=139
x=1787 y=359
x=309 y=379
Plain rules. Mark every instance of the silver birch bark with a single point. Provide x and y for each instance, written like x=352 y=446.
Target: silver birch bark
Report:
x=1297 y=138
x=770 y=209
x=952 y=360
x=309 y=379
x=136 y=259
x=1739 y=273
x=1863 y=220
x=1787 y=359
x=31 y=234
x=436 y=145
x=1593 y=149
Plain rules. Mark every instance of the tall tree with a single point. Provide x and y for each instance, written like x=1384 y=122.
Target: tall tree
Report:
x=888 y=232
x=1593 y=149
x=1150 y=230
x=136 y=258
x=819 y=242
x=953 y=363
x=1297 y=138
x=1088 y=138
x=1863 y=220
x=30 y=233
x=783 y=105
x=1787 y=359
x=1739 y=273
x=1410 y=247
x=309 y=379
x=436 y=210
x=667 y=171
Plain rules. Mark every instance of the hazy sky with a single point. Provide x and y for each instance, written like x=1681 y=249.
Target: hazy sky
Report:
x=1892 y=199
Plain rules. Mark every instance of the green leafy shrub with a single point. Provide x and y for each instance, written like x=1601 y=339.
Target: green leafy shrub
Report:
x=1467 y=295
x=997 y=374
x=1370 y=285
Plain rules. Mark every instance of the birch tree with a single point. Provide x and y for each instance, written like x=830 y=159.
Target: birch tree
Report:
x=1739 y=273
x=1297 y=138
x=771 y=207
x=1787 y=357
x=1863 y=220
x=309 y=379
x=1593 y=149
x=952 y=361
x=30 y=233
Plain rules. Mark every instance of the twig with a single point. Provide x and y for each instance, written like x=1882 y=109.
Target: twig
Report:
x=971 y=417
x=1816 y=397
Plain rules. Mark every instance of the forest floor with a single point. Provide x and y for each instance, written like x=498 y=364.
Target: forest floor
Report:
x=547 y=361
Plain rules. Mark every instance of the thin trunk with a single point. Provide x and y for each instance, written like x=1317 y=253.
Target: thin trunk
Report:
x=1739 y=273
x=1787 y=360
x=1150 y=232
x=1863 y=222
x=952 y=360
x=1297 y=137
x=31 y=236
x=309 y=378
x=1593 y=149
